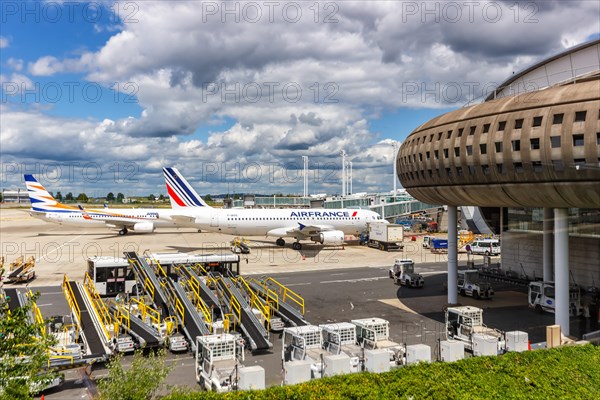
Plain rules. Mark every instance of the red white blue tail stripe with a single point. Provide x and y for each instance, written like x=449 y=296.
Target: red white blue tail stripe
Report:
x=180 y=191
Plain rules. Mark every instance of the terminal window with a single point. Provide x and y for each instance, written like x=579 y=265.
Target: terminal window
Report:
x=445 y=153
x=555 y=142
x=580 y=116
x=457 y=151
x=459 y=171
x=448 y=134
x=469 y=150
x=472 y=169
x=460 y=132
x=518 y=167
x=439 y=135
x=472 y=131
x=535 y=143
x=516 y=145
x=500 y=168
x=485 y=169
x=498 y=147
x=537 y=121
x=597 y=137
x=557 y=119
x=501 y=125
x=436 y=154
x=518 y=123
x=486 y=128
x=537 y=166
x=558 y=165
x=483 y=148
x=578 y=140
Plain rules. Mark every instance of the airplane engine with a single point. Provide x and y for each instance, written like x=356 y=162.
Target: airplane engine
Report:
x=143 y=227
x=330 y=237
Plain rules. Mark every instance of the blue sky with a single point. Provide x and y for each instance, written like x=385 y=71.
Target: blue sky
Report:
x=155 y=84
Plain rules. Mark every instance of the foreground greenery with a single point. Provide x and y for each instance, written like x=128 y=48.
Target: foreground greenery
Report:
x=23 y=352
x=568 y=373
x=140 y=381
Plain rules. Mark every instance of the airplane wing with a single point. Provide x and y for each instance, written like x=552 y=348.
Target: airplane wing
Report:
x=184 y=220
x=300 y=230
x=113 y=220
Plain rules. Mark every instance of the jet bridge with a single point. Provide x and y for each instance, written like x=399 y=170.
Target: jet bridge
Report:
x=286 y=303
x=251 y=326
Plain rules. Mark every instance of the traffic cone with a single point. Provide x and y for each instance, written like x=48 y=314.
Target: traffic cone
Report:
x=528 y=345
x=42 y=398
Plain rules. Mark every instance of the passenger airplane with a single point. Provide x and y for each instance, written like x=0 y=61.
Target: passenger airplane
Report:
x=325 y=226
x=140 y=220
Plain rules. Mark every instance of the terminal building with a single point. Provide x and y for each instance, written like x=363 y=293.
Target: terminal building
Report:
x=529 y=157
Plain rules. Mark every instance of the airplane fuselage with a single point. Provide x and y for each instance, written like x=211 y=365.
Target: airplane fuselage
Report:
x=253 y=222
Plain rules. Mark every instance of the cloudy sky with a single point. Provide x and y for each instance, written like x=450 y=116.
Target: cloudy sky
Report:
x=99 y=96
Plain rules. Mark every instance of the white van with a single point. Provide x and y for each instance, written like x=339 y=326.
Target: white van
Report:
x=489 y=247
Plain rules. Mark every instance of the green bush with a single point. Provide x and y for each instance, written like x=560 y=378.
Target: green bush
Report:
x=567 y=373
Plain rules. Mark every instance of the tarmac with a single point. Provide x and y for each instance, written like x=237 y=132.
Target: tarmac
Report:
x=63 y=249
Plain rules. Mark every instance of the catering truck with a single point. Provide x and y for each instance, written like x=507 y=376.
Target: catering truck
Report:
x=386 y=237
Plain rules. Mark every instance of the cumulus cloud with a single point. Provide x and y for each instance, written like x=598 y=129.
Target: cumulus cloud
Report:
x=3 y=42
x=290 y=86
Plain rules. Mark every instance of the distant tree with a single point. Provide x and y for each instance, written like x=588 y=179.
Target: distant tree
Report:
x=58 y=196
x=82 y=198
x=120 y=197
x=236 y=196
x=161 y=197
x=141 y=381
x=151 y=197
x=23 y=350
x=1 y=197
x=208 y=198
x=110 y=197
x=69 y=196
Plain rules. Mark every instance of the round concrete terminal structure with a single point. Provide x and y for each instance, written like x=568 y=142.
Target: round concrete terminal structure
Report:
x=533 y=144
x=530 y=150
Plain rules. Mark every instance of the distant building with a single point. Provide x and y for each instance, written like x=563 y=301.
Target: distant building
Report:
x=19 y=196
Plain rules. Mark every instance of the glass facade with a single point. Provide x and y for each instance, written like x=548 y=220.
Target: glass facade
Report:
x=582 y=221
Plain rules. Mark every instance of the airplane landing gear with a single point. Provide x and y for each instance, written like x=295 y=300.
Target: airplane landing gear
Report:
x=296 y=246
x=280 y=242
x=123 y=232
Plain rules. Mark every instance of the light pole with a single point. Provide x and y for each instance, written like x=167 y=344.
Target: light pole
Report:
x=343 y=154
x=395 y=146
x=305 y=160
x=350 y=178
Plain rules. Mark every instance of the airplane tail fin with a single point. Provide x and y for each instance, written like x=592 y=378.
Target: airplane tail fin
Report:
x=181 y=193
x=39 y=197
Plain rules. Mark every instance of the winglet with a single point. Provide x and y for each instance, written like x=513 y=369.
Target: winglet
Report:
x=181 y=193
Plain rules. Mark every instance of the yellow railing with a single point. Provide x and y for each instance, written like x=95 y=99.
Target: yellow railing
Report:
x=68 y=290
x=236 y=308
x=286 y=293
x=194 y=286
x=100 y=308
x=58 y=357
x=255 y=302
x=146 y=311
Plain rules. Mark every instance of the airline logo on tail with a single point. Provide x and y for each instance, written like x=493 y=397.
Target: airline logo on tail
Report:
x=180 y=191
x=40 y=199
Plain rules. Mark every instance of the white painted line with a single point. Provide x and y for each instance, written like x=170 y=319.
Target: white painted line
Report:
x=59 y=247
x=299 y=284
x=434 y=273
x=357 y=280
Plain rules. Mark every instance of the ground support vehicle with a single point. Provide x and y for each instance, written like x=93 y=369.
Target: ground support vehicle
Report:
x=469 y=284
x=403 y=273
x=541 y=297
x=386 y=237
x=374 y=333
x=465 y=324
x=218 y=360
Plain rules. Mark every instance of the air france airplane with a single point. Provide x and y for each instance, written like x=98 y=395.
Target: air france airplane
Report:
x=140 y=220
x=325 y=226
